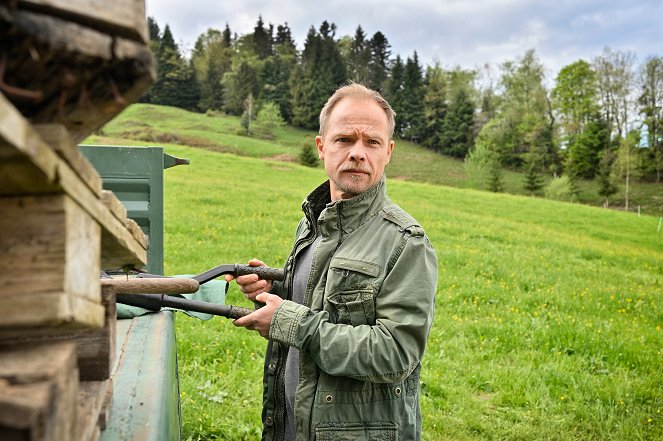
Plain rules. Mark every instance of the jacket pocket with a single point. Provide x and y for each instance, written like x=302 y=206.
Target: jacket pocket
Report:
x=353 y=307
x=357 y=432
x=350 y=290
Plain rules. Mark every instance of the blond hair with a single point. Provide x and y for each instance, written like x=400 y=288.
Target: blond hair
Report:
x=357 y=92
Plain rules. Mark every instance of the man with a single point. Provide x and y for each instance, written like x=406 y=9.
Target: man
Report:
x=348 y=326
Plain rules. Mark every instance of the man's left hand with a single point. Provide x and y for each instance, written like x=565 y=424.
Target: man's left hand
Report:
x=261 y=319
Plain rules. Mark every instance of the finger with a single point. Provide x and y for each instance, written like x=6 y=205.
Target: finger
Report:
x=255 y=288
x=246 y=279
x=256 y=262
x=229 y=277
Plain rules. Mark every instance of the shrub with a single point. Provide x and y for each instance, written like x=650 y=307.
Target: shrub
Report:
x=308 y=156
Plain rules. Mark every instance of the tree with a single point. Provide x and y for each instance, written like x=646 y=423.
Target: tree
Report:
x=615 y=83
x=268 y=121
x=211 y=58
x=176 y=84
x=277 y=71
x=435 y=107
x=395 y=93
x=522 y=123
x=308 y=155
x=321 y=71
x=604 y=177
x=379 y=60
x=626 y=156
x=483 y=163
x=238 y=84
x=574 y=97
x=249 y=114
x=533 y=179
x=359 y=58
x=262 y=39
x=524 y=111
x=412 y=100
x=651 y=108
x=456 y=137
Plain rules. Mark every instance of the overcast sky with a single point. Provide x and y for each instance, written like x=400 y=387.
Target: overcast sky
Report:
x=467 y=33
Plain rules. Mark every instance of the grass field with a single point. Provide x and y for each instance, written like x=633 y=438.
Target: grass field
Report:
x=548 y=317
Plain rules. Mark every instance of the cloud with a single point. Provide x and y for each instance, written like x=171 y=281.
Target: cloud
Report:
x=454 y=32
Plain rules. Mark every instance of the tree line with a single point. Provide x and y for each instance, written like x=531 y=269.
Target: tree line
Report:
x=601 y=118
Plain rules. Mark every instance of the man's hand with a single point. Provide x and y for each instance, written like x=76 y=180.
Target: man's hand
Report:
x=261 y=319
x=251 y=285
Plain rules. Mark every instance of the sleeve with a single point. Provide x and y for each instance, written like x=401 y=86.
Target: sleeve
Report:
x=385 y=352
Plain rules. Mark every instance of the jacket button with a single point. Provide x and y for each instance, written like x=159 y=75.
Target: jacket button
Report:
x=271 y=367
x=329 y=398
x=397 y=391
x=268 y=421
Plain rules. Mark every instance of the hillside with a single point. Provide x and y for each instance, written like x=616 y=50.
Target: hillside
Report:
x=161 y=125
x=548 y=315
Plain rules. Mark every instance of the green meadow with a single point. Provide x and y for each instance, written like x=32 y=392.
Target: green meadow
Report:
x=548 y=321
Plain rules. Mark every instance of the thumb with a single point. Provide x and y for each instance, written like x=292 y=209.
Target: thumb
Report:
x=262 y=297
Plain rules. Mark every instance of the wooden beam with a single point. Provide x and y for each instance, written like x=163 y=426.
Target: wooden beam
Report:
x=28 y=165
x=119 y=17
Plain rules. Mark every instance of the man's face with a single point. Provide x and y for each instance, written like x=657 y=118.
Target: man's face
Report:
x=355 y=147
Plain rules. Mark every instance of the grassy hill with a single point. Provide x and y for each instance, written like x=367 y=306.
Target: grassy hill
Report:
x=157 y=125
x=548 y=317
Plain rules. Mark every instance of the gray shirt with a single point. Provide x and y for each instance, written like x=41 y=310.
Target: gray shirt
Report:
x=300 y=280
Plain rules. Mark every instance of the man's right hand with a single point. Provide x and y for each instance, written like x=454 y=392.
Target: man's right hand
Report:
x=251 y=285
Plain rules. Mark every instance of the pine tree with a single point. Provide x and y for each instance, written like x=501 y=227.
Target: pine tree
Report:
x=395 y=93
x=533 y=178
x=412 y=112
x=378 y=69
x=604 y=177
x=456 y=131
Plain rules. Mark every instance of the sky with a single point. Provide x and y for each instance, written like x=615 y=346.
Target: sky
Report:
x=465 y=33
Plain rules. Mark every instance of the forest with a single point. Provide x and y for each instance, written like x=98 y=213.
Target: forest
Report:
x=598 y=119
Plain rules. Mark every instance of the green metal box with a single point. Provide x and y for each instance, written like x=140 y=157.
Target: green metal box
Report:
x=135 y=175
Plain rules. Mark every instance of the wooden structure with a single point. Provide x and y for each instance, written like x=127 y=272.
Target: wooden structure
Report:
x=66 y=68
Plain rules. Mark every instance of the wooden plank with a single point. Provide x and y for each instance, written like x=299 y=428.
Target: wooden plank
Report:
x=93 y=407
x=29 y=165
x=71 y=73
x=58 y=138
x=120 y=17
x=95 y=348
x=136 y=232
x=114 y=205
x=51 y=249
x=39 y=384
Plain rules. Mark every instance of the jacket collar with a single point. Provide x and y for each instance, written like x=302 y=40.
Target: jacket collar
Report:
x=345 y=215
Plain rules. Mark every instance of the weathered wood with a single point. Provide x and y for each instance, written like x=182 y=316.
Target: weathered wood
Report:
x=95 y=348
x=136 y=232
x=57 y=137
x=149 y=285
x=119 y=17
x=114 y=205
x=28 y=165
x=38 y=392
x=70 y=73
x=93 y=404
x=50 y=256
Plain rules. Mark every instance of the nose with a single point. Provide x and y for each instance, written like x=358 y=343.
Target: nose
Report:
x=357 y=152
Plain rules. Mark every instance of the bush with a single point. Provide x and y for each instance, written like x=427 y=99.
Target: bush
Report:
x=308 y=156
x=560 y=189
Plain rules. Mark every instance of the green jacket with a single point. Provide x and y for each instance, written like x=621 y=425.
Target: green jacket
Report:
x=363 y=327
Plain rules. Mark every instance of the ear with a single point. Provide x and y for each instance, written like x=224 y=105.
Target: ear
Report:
x=390 y=149
x=321 y=148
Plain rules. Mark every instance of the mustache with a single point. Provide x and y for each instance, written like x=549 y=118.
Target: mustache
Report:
x=355 y=168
